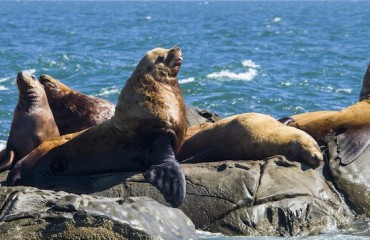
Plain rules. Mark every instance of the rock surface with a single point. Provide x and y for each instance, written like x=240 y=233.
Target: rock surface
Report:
x=195 y=116
x=30 y=213
x=273 y=197
x=352 y=180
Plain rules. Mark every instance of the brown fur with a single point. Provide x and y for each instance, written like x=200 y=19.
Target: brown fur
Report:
x=324 y=126
x=149 y=115
x=32 y=123
x=250 y=136
x=74 y=111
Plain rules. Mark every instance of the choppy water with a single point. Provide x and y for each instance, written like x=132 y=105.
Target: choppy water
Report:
x=278 y=58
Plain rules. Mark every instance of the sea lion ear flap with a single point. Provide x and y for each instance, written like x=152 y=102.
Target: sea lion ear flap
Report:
x=6 y=159
x=352 y=143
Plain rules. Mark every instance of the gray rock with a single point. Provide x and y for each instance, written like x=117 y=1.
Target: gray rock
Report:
x=195 y=116
x=30 y=213
x=273 y=197
x=352 y=180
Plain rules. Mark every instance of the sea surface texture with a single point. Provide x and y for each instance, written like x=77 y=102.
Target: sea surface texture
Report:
x=277 y=58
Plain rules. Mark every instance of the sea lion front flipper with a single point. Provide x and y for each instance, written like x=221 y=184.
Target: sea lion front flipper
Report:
x=169 y=179
x=352 y=143
x=165 y=172
x=6 y=159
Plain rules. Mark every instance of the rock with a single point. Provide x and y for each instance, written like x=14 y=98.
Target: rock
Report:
x=352 y=180
x=195 y=116
x=272 y=197
x=30 y=213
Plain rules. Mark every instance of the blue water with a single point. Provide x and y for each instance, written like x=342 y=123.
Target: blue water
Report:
x=278 y=58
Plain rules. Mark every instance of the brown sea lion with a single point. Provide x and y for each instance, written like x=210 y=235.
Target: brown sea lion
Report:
x=350 y=127
x=32 y=123
x=74 y=111
x=250 y=136
x=144 y=134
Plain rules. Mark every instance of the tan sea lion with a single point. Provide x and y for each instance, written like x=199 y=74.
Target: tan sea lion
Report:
x=32 y=123
x=144 y=134
x=74 y=111
x=250 y=136
x=350 y=127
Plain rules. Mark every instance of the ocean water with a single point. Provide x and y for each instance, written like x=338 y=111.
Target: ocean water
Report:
x=277 y=58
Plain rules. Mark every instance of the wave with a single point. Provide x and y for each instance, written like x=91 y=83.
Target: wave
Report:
x=186 y=80
x=2 y=144
x=108 y=91
x=3 y=88
x=246 y=76
x=5 y=79
x=31 y=71
x=344 y=90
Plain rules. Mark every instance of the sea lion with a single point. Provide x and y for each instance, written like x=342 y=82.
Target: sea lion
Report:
x=144 y=134
x=349 y=128
x=74 y=111
x=250 y=136
x=32 y=123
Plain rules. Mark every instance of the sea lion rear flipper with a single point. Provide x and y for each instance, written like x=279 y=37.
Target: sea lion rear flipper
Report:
x=165 y=172
x=6 y=159
x=352 y=143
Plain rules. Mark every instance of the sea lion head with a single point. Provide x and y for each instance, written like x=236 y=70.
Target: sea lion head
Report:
x=26 y=81
x=53 y=87
x=160 y=60
x=30 y=90
x=304 y=148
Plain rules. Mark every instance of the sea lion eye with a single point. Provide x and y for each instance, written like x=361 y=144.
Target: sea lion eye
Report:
x=160 y=59
x=33 y=77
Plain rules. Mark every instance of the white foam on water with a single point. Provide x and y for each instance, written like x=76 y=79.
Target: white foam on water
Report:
x=31 y=71
x=3 y=88
x=5 y=79
x=108 y=91
x=186 y=80
x=344 y=90
x=226 y=74
x=2 y=144
x=245 y=76
x=250 y=63
x=276 y=19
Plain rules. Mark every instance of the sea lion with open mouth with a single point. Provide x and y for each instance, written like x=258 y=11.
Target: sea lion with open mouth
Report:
x=145 y=133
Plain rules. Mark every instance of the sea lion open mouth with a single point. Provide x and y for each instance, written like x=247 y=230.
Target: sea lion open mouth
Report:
x=177 y=62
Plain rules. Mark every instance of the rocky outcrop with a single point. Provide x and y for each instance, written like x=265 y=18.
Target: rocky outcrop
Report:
x=352 y=180
x=30 y=213
x=195 y=116
x=268 y=197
